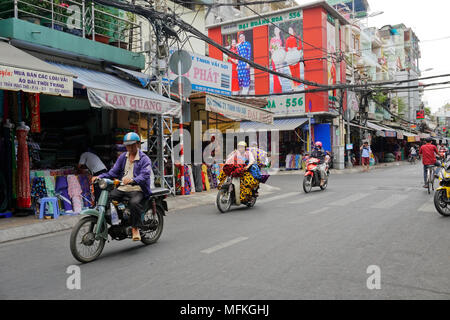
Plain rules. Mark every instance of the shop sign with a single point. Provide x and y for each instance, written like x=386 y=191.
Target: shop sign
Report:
x=263 y=21
x=390 y=134
x=17 y=79
x=207 y=75
x=287 y=105
x=112 y=100
x=237 y=111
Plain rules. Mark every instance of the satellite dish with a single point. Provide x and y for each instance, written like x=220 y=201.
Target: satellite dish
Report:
x=186 y=86
x=180 y=56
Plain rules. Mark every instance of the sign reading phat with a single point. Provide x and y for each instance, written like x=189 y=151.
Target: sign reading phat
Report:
x=207 y=75
x=237 y=111
x=105 y=99
x=17 y=79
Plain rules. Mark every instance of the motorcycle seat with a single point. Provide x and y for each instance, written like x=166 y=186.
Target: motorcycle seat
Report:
x=157 y=192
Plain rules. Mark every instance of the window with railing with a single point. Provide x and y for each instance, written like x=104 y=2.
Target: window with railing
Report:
x=81 y=18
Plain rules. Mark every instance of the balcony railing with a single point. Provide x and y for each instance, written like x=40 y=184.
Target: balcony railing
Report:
x=81 y=18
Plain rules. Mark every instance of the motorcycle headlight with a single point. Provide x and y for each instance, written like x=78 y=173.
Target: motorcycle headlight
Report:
x=102 y=184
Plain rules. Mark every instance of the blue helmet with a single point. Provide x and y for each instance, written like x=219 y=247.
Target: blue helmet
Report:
x=131 y=138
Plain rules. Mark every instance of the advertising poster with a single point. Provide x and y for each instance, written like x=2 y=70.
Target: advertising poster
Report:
x=242 y=75
x=286 y=53
x=331 y=49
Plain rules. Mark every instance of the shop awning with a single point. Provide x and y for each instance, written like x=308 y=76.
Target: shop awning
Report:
x=107 y=91
x=20 y=71
x=382 y=131
x=236 y=110
x=278 y=124
x=143 y=78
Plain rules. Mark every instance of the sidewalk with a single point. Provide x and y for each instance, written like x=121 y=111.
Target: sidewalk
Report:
x=17 y=228
x=26 y=227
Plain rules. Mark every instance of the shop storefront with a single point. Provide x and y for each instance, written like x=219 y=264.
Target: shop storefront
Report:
x=94 y=112
x=212 y=121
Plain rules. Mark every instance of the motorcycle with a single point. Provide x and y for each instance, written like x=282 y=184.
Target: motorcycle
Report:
x=312 y=174
x=111 y=218
x=442 y=194
x=229 y=195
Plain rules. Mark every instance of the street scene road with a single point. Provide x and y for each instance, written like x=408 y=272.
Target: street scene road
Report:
x=291 y=245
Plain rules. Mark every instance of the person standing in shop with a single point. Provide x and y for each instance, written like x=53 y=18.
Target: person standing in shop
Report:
x=95 y=165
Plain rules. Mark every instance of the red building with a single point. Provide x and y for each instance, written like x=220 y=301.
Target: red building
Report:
x=301 y=42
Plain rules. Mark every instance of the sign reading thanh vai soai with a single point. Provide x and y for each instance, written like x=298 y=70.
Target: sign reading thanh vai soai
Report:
x=17 y=79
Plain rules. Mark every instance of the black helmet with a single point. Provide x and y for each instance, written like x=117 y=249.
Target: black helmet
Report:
x=428 y=139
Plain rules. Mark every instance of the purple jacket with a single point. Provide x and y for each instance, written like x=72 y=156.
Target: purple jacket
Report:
x=141 y=171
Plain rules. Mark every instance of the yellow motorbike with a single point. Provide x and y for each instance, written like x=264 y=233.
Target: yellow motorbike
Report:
x=442 y=195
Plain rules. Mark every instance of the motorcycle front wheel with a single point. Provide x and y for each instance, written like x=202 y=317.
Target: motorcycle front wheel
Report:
x=223 y=201
x=154 y=226
x=307 y=184
x=83 y=245
x=439 y=202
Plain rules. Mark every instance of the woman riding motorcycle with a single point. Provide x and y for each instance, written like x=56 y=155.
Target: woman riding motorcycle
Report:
x=237 y=165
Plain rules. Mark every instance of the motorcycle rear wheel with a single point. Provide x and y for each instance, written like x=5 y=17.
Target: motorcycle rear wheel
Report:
x=86 y=240
x=307 y=184
x=252 y=202
x=223 y=206
x=151 y=237
x=440 y=205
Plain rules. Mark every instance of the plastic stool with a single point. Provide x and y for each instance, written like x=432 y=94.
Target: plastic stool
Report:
x=54 y=202
x=7 y=214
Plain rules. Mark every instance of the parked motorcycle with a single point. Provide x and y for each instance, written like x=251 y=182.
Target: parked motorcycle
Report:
x=112 y=218
x=312 y=174
x=442 y=194
x=229 y=195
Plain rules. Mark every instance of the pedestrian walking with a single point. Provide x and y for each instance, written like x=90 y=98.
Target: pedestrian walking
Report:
x=365 y=156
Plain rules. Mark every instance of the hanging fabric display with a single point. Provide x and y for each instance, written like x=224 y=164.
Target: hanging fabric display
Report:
x=191 y=176
x=23 y=168
x=61 y=188
x=34 y=100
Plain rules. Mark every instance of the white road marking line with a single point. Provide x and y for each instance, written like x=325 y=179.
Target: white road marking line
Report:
x=224 y=245
x=283 y=196
x=308 y=198
x=390 y=202
x=320 y=210
x=428 y=206
x=346 y=201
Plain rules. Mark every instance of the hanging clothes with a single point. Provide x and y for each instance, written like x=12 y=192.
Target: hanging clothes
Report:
x=23 y=170
x=75 y=192
x=7 y=161
x=61 y=188
x=34 y=102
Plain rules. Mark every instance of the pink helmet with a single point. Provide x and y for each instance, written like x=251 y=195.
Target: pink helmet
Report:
x=318 y=144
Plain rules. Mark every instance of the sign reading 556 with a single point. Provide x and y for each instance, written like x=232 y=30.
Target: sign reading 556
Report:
x=294 y=102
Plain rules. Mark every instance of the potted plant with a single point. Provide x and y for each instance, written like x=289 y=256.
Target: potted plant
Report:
x=102 y=24
x=30 y=10
x=122 y=30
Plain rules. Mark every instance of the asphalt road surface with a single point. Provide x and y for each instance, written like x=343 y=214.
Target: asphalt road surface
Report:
x=290 y=246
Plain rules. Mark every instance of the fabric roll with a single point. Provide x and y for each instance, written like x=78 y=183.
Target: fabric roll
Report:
x=191 y=176
x=86 y=190
x=61 y=188
x=288 y=161
x=23 y=170
x=187 y=181
x=75 y=193
x=198 y=178
x=205 y=174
